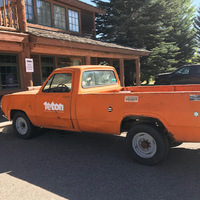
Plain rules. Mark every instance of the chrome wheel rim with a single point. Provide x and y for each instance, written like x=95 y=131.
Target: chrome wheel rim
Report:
x=144 y=145
x=21 y=126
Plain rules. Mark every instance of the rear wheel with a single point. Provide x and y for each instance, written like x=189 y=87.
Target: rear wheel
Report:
x=22 y=126
x=147 y=144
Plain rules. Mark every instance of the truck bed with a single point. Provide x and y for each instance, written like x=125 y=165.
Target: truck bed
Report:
x=163 y=88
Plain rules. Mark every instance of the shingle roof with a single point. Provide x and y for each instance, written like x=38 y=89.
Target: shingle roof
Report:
x=77 y=39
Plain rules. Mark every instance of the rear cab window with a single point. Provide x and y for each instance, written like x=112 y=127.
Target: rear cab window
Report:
x=59 y=83
x=98 y=78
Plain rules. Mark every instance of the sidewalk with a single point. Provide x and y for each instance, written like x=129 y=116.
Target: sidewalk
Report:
x=4 y=124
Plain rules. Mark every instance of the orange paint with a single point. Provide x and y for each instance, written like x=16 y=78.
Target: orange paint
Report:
x=102 y=109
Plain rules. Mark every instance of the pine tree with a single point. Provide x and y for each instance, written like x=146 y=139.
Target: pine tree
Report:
x=197 y=27
x=162 y=26
x=183 y=32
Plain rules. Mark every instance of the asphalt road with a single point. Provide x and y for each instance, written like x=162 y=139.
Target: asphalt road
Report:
x=92 y=167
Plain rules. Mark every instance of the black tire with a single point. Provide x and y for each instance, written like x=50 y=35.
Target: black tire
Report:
x=147 y=144
x=22 y=126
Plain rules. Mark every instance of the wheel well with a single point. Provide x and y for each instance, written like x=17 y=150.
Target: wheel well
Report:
x=13 y=112
x=130 y=121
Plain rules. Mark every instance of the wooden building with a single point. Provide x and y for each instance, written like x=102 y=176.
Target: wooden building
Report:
x=54 y=33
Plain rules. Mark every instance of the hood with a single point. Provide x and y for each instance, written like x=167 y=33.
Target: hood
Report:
x=24 y=93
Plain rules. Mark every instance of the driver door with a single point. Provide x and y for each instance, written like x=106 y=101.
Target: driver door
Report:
x=54 y=101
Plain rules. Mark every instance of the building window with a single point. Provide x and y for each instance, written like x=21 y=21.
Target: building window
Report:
x=59 y=17
x=73 y=21
x=9 y=75
x=48 y=65
x=43 y=13
x=29 y=11
x=63 y=62
x=76 y=61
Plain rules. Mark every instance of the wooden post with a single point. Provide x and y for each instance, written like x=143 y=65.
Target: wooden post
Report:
x=94 y=22
x=4 y=14
x=137 y=62
x=21 y=12
x=1 y=19
x=27 y=76
x=88 y=60
x=9 y=14
x=121 y=66
x=52 y=15
x=35 y=12
x=14 y=15
x=111 y=62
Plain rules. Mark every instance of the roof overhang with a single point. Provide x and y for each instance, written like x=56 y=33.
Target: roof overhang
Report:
x=40 y=38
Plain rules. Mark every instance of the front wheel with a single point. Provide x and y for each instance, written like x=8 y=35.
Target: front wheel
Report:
x=147 y=144
x=22 y=126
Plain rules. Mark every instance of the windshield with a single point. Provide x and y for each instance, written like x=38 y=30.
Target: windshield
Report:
x=98 y=78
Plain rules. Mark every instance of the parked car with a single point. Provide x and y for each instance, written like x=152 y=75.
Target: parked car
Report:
x=189 y=74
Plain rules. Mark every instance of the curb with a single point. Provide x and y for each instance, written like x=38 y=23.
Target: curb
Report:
x=4 y=124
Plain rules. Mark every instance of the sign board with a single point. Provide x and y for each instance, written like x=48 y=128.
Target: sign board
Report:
x=29 y=65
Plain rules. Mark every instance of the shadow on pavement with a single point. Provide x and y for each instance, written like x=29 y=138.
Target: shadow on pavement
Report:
x=93 y=166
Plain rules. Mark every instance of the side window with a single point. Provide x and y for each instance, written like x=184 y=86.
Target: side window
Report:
x=59 y=83
x=196 y=70
x=183 y=71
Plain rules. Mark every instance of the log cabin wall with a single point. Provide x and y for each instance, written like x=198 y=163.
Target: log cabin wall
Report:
x=54 y=33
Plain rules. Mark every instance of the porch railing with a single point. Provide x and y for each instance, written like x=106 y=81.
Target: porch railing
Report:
x=13 y=15
x=8 y=14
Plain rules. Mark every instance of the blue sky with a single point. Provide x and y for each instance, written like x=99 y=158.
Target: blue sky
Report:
x=196 y=2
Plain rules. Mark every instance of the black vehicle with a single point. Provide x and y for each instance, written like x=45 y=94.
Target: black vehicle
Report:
x=189 y=74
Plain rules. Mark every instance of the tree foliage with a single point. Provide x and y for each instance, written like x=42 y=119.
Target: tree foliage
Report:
x=197 y=27
x=165 y=27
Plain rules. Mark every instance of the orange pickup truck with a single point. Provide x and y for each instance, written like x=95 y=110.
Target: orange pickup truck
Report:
x=90 y=99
